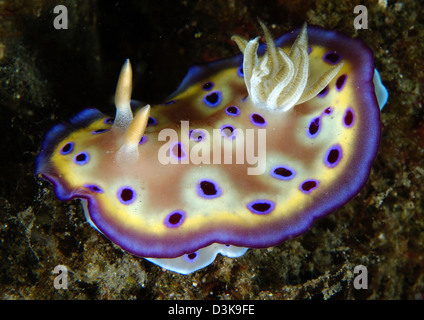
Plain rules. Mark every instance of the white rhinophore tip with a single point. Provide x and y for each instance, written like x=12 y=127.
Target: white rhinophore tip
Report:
x=123 y=91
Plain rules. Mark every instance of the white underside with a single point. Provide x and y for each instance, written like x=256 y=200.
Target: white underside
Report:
x=380 y=90
x=184 y=265
x=204 y=257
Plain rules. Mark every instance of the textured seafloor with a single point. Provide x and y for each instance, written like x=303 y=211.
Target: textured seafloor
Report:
x=46 y=75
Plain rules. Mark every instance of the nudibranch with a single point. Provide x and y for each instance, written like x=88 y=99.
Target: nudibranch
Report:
x=246 y=153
